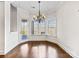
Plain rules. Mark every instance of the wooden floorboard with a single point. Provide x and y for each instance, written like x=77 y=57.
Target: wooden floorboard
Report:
x=37 y=49
x=2 y=56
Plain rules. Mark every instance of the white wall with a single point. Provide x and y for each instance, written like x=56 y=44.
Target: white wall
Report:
x=2 y=27
x=68 y=27
x=22 y=14
x=11 y=38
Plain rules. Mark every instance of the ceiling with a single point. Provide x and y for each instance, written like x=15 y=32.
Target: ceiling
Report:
x=32 y=7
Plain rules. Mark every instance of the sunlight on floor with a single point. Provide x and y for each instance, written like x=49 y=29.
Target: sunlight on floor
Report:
x=24 y=50
x=39 y=51
x=52 y=53
x=42 y=51
x=35 y=52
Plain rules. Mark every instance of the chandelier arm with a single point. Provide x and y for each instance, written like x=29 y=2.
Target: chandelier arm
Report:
x=39 y=7
x=39 y=17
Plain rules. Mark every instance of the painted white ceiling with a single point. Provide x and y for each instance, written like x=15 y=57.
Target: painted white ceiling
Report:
x=47 y=7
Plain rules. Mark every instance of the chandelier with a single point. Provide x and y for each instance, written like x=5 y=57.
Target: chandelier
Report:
x=40 y=17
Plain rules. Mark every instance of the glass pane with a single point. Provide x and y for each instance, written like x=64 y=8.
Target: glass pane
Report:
x=36 y=28
x=39 y=28
x=52 y=23
x=24 y=29
x=52 y=27
x=42 y=28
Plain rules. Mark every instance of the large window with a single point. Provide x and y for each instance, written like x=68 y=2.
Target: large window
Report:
x=39 y=28
x=47 y=27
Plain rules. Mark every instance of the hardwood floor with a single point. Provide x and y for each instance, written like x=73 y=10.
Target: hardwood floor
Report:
x=2 y=56
x=36 y=49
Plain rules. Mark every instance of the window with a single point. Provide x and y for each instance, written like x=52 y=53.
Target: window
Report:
x=52 y=27
x=47 y=27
